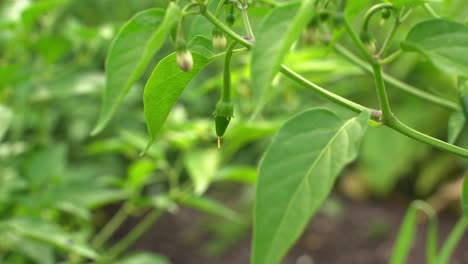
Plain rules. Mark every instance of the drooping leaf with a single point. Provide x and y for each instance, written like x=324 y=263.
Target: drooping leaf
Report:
x=202 y=166
x=144 y=258
x=166 y=84
x=465 y=197
x=131 y=50
x=284 y=25
x=296 y=175
x=456 y=124
x=443 y=42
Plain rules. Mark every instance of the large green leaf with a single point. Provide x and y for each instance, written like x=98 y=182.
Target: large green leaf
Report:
x=131 y=51
x=297 y=174
x=166 y=84
x=465 y=197
x=443 y=42
x=278 y=31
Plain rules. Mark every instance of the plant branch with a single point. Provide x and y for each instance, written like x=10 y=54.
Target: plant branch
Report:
x=381 y=92
x=135 y=233
x=452 y=240
x=391 y=121
x=112 y=225
x=411 y=90
x=357 y=41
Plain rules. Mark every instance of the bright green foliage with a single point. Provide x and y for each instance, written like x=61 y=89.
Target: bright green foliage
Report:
x=296 y=175
x=131 y=51
x=354 y=7
x=284 y=25
x=443 y=42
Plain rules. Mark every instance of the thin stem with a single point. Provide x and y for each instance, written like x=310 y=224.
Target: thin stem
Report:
x=247 y=26
x=391 y=121
x=322 y=91
x=227 y=30
x=381 y=92
x=430 y=10
x=389 y=37
x=390 y=58
x=436 y=143
x=355 y=38
x=135 y=233
x=452 y=240
x=411 y=90
x=372 y=11
x=108 y=230
x=226 y=95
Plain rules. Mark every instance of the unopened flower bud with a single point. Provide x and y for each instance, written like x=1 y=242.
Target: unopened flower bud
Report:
x=219 y=42
x=184 y=60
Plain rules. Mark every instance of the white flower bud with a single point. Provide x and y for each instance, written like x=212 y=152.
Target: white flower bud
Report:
x=184 y=60
x=219 y=42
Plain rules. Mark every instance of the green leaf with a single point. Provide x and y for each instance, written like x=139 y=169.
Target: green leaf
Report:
x=402 y=3
x=443 y=42
x=296 y=175
x=144 y=258
x=464 y=199
x=131 y=50
x=408 y=228
x=166 y=84
x=202 y=166
x=51 y=234
x=456 y=124
x=6 y=116
x=283 y=25
x=210 y=206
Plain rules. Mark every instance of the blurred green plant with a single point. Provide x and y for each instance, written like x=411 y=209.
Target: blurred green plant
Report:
x=55 y=180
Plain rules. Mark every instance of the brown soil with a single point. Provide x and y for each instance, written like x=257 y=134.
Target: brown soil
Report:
x=361 y=233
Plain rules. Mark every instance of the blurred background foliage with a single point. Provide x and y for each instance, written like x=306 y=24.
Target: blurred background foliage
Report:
x=56 y=180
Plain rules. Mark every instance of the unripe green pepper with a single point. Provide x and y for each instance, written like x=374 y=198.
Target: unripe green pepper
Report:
x=222 y=114
x=386 y=13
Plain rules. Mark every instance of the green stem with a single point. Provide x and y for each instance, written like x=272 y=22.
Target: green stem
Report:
x=411 y=90
x=108 y=230
x=208 y=15
x=362 y=48
x=376 y=67
x=390 y=58
x=381 y=92
x=247 y=26
x=226 y=95
x=135 y=233
x=452 y=240
x=436 y=143
x=430 y=10
x=389 y=37
x=322 y=91
x=374 y=10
